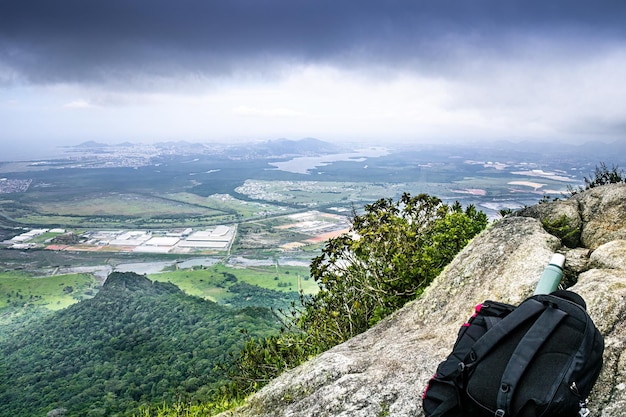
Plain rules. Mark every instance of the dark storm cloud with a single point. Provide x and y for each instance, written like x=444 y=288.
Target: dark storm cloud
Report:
x=44 y=41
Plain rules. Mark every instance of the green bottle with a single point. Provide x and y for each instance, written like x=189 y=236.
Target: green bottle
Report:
x=551 y=276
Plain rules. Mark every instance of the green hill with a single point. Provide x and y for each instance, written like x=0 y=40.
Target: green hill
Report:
x=136 y=342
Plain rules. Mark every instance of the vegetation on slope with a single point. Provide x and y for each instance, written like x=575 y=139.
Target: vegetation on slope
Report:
x=395 y=249
x=135 y=343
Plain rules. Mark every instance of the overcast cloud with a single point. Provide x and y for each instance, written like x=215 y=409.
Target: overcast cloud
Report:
x=204 y=70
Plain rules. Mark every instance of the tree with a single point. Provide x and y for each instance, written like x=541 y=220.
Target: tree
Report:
x=505 y=212
x=391 y=254
x=394 y=250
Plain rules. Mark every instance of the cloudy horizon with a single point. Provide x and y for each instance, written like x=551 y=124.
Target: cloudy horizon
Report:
x=371 y=71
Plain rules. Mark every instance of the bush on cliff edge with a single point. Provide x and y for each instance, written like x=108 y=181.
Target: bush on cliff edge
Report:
x=392 y=253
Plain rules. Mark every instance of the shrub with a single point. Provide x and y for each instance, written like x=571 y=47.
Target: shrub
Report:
x=392 y=253
x=602 y=175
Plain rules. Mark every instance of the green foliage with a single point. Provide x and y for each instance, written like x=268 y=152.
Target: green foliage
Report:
x=394 y=250
x=135 y=343
x=384 y=410
x=263 y=359
x=547 y=199
x=183 y=409
x=505 y=212
x=561 y=227
x=602 y=175
x=244 y=294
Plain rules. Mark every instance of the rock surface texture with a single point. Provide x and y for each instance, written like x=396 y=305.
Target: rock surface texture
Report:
x=384 y=371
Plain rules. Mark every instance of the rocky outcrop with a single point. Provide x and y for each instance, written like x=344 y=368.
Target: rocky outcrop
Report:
x=588 y=219
x=383 y=371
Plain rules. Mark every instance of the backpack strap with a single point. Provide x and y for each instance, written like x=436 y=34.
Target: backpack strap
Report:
x=492 y=321
x=523 y=354
x=527 y=310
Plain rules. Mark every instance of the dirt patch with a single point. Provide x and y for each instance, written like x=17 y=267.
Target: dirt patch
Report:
x=326 y=236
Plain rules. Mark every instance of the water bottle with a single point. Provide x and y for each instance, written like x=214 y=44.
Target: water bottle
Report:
x=551 y=276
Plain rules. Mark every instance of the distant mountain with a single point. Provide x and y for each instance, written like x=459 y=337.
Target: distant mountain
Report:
x=605 y=152
x=91 y=144
x=177 y=143
x=135 y=342
x=285 y=148
x=302 y=146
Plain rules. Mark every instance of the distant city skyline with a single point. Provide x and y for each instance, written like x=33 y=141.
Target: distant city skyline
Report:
x=370 y=71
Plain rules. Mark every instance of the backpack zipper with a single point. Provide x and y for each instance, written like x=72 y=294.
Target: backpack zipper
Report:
x=584 y=411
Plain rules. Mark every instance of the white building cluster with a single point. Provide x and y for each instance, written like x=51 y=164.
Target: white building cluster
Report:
x=217 y=238
x=171 y=241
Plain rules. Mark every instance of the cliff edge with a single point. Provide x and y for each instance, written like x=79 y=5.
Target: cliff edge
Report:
x=383 y=371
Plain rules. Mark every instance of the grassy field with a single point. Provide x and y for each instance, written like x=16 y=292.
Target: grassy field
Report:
x=227 y=204
x=213 y=282
x=119 y=210
x=18 y=289
x=114 y=210
x=115 y=203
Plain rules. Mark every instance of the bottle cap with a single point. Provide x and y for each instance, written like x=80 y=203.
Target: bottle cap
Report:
x=558 y=260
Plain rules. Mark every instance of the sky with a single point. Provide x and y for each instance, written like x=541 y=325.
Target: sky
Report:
x=338 y=70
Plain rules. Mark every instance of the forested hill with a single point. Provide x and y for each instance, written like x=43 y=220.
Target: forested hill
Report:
x=136 y=342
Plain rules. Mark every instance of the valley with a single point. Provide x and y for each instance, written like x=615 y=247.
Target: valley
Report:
x=187 y=251
x=96 y=208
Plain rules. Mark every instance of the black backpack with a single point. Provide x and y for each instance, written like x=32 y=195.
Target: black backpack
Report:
x=538 y=359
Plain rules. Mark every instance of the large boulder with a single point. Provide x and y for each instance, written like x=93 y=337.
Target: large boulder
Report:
x=384 y=371
x=560 y=218
x=588 y=219
x=603 y=213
